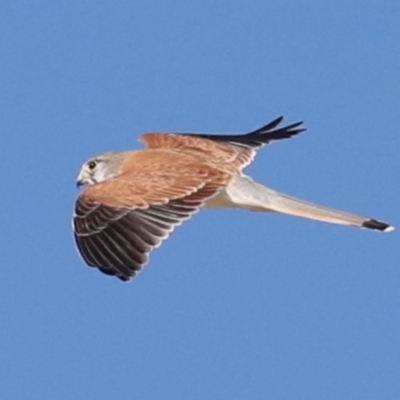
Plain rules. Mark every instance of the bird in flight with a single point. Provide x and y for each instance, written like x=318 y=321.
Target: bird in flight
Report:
x=134 y=199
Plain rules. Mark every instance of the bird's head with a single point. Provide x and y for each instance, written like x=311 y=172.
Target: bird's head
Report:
x=100 y=168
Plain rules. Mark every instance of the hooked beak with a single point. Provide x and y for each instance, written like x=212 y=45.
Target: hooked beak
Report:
x=83 y=179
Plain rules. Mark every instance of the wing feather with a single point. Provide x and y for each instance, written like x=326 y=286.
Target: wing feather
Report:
x=122 y=247
x=258 y=137
x=237 y=151
x=118 y=222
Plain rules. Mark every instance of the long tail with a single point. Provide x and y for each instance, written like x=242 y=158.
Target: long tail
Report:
x=245 y=193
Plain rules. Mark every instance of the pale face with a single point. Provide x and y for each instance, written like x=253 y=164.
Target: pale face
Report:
x=98 y=169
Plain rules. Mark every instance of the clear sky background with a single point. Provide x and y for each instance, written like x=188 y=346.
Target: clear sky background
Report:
x=236 y=305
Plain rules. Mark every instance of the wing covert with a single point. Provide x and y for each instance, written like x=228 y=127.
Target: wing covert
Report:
x=237 y=150
x=117 y=223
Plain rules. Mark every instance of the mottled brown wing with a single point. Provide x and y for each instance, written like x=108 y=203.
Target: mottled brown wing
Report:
x=118 y=222
x=238 y=150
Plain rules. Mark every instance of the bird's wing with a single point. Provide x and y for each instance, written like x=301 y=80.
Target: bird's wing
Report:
x=118 y=222
x=239 y=150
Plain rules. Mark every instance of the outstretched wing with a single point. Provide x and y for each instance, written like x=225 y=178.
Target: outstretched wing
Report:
x=238 y=150
x=257 y=138
x=118 y=222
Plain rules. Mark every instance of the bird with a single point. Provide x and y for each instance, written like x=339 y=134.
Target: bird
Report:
x=133 y=200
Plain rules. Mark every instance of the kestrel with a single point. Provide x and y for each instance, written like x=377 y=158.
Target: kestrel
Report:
x=134 y=199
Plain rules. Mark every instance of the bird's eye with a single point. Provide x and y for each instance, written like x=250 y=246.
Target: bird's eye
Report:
x=92 y=165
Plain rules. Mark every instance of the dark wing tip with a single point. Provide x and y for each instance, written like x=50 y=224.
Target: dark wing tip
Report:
x=269 y=129
x=260 y=136
x=380 y=226
x=273 y=124
x=120 y=275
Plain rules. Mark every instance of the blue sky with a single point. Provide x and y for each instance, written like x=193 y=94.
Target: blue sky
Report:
x=235 y=305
